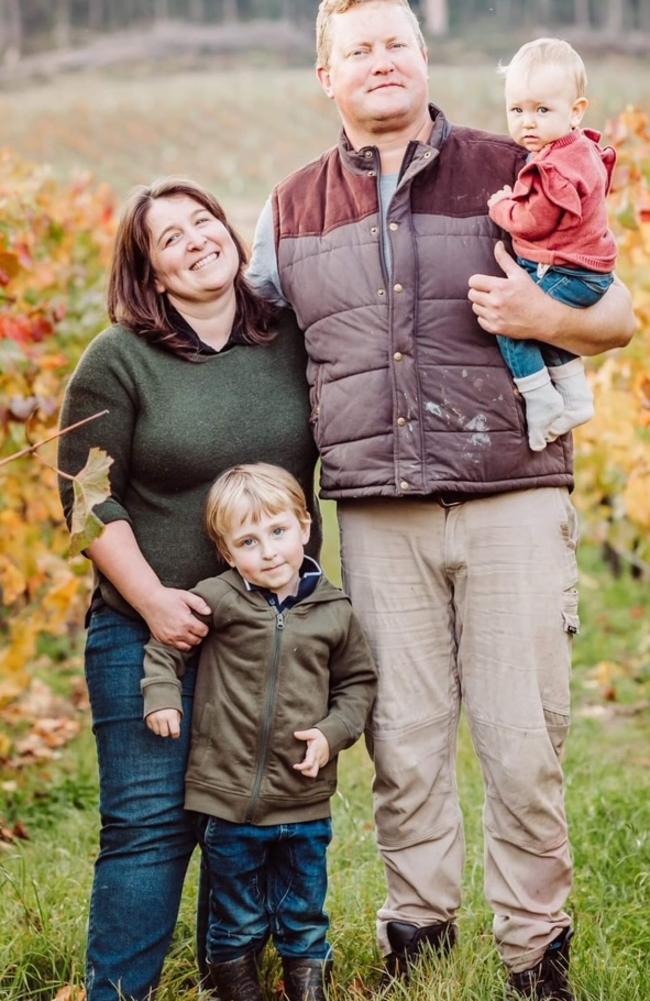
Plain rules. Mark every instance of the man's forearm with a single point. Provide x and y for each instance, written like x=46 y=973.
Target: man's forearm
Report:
x=607 y=324
x=517 y=307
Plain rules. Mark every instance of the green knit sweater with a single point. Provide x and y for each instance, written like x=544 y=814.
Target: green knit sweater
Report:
x=173 y=426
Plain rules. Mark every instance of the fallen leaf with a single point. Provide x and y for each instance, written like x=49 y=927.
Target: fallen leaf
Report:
x=70 y=993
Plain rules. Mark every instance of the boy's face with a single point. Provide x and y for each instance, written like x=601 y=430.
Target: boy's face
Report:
x=269 y=552
x=541 y=105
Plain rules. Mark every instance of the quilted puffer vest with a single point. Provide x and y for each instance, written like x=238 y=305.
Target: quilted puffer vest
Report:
x=409 y=395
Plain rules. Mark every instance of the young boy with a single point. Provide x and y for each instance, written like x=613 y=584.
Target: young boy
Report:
x=557 y=217
x=285 y=682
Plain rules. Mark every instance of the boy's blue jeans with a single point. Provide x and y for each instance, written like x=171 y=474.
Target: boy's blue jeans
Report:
x=266 y=881
x=146 y=837
x=573 y=287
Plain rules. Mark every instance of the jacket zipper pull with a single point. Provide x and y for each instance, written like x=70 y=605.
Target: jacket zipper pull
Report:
x=279 y=621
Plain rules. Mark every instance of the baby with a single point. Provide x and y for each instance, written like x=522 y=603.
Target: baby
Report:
x=557 y=218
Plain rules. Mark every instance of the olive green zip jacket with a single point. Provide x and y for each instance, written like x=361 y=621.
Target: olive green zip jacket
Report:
x=262 y=675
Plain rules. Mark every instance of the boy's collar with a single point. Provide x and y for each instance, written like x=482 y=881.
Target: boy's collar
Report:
x=309 y=575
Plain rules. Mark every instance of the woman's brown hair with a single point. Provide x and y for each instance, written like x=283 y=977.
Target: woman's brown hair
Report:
x=132 y=297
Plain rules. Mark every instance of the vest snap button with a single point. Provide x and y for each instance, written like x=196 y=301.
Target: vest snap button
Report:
x=398 y=288
x=372 y=173
x=427 y=154
x=398 y=356
x=401 y=421
x=403 y=485
x=393 y=226
x=381 y=291
x=368 y=154
x=374 y=230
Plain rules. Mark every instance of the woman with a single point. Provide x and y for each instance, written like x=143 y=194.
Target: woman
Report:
x=197 y=374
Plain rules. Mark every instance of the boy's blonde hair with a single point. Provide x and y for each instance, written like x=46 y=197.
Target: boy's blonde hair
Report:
x=557 y=52
x=328 y=8
x=249 y=491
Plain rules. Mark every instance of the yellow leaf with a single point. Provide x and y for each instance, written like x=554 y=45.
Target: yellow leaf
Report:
x=91 y=487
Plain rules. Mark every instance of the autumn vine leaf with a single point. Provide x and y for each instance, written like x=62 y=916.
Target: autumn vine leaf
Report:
x=91 y=486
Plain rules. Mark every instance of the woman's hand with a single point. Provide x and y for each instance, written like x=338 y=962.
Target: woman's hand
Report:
x=169 y=614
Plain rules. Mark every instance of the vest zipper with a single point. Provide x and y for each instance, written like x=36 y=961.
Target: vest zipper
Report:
x=267 y=717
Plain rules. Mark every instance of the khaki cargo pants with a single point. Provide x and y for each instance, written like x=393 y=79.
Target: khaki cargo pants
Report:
x=473 y=604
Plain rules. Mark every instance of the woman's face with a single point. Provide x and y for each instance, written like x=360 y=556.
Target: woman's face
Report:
x=193 y=254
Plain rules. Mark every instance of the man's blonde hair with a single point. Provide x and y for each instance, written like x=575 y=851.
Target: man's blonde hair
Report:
x=553 y=51
x=328 y=8
x=250 y=491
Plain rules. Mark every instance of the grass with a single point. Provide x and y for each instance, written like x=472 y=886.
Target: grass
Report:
x=45 y=882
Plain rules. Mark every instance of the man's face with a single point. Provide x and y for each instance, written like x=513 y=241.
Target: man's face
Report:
x=377 y=72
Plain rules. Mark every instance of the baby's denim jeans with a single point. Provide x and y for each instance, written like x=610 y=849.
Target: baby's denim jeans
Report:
x=266 y=882
x=575 y=288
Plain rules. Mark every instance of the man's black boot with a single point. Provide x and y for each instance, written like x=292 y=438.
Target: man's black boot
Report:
x=549 y=979
x=408 y=941
x=306 y=979
x=236 y=980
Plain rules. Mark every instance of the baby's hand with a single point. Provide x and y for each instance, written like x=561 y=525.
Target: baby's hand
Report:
x=317 y=754
x=498 y=196
x=165 y=723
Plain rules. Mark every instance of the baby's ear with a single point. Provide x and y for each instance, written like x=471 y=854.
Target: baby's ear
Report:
x=578 y=110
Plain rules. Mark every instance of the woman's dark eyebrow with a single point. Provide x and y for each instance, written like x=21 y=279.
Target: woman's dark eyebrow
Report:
x=175 y=225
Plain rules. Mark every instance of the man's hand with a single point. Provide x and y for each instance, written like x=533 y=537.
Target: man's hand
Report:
x=517 y=307
x=514 y=305
x=317 y=754
x=499 y=196
x=165 y=723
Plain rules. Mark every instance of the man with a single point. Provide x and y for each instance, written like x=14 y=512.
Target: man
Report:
x=458 y=542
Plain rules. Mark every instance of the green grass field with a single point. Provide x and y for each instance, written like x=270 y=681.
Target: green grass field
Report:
x=239 y=133
x=45 y=882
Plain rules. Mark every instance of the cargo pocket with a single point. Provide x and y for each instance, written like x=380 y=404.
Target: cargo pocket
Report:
x=570 y=617
x=557 y=727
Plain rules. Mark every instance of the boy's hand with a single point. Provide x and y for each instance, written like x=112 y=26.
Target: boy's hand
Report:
x=498 y=196
x=165 y=723
x=317 y=754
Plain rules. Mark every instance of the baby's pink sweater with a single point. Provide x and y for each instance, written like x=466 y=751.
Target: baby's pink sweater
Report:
x=557 y=212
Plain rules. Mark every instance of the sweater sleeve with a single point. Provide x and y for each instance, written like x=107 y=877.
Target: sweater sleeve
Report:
x=353 y=682
x=100 y=382
x=529 y=214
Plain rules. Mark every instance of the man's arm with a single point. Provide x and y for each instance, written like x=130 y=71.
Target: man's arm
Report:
x=516 y=307
x=263 y=273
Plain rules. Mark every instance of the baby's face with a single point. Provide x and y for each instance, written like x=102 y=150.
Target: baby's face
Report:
x=541 y=105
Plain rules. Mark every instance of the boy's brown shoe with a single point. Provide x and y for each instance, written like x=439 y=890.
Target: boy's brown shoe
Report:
x=237 y=979
x=549 y=979
x=306 y=979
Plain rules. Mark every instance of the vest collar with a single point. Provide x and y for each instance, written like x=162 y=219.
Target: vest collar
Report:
x=418 y=154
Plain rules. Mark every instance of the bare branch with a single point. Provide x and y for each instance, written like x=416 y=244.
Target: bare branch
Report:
x=31 y=449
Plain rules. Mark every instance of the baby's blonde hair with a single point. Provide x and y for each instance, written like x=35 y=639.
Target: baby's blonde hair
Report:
x=557 y=52
x=328 y=8
x=250 y=491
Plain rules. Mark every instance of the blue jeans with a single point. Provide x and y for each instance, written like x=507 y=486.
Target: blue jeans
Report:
x=575 y=288
x=146 y=837
x=266 y=881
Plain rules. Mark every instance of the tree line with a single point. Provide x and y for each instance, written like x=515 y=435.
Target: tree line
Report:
x=32 y=25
